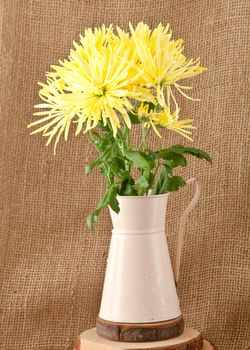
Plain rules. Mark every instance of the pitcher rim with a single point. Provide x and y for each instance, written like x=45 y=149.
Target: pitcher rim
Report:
x=144 y=197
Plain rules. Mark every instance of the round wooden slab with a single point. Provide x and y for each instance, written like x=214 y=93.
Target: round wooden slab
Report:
x=190 y=339
x=140 y=332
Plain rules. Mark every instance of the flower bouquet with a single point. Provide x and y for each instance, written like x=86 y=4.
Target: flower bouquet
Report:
x=112 y=83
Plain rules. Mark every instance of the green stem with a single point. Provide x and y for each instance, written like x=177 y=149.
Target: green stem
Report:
x=144 y=138
x=158 y=161
x=90 y=138
x=105 y=165
x=128 y=138
x=128 y=147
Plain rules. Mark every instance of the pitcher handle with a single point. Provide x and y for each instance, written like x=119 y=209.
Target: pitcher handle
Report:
x=190 y=206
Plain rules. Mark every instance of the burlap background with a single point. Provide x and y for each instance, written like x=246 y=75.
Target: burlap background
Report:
x=52 y=268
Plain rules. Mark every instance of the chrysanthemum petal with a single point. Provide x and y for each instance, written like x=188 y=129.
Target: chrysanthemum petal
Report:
x=106 y=73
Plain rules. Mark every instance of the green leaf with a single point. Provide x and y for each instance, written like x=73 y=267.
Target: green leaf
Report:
x=117 y=166
x=87 y=169
x=97 y=161
x=110 y=198
x=170 y=165
x=179 y=149
x=112 y=201
x=151 y=106
x=174 y=183
x=141 y=185
x=96 y=134
x=146 y=173
x=150 y=180
x=198 y=153
x=91 y=219
x=127 y=188
x=152 y=155
x=178 y=159
x=168 y=183
x=103 y=127
x=176 y=153
x=134 y=118
x=140 y=160
x=162 y=182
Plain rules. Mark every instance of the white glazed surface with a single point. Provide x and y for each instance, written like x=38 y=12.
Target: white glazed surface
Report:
x=139 y=285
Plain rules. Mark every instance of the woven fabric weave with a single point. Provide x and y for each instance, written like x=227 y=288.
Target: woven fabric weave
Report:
x=52 y=267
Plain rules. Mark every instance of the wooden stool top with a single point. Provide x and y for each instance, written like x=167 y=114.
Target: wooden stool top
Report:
x=189 y=339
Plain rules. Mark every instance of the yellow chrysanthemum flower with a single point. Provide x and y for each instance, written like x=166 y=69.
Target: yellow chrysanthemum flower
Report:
x=95 y=40
x=162 y=61
x=59 y=114
x=106 y=72
x=164 y=119
x=91 y=85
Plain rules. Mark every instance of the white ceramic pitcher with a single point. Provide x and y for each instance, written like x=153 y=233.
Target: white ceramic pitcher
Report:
x=139 y=284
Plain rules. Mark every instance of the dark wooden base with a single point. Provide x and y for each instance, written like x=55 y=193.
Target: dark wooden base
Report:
x=140 y=332
x=190 y=339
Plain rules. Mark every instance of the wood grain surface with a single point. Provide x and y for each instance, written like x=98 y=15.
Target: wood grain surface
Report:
x=189 y=340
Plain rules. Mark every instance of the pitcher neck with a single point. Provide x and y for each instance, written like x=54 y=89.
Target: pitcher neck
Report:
x=139 y=213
